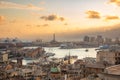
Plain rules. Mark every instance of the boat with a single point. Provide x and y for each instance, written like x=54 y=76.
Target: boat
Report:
x=48 y=54
x=68 y=45
x=86 y=50
x=103 y=47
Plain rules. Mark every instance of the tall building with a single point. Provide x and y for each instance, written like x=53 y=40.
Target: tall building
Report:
x=108 y=40
x=92 y=39
x=117 y=41
x=99 y=40
x=86 y=39
x=54 y=39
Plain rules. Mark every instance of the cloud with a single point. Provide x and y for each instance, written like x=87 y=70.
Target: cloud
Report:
x=93 y=14
x=111 y=18
x=117 y=2
x=2 y=19
x=6 y=5
x=61 y=18
x=52 y=18
x=44 y=25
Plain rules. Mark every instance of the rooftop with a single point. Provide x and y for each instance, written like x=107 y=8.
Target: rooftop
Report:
x=54 y=70
x=95 y=65
x=115 y=70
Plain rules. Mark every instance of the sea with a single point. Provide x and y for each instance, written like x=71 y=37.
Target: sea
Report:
x=80 y=52
x=60 y=53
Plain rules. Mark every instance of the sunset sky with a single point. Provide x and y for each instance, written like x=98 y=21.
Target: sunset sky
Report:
x=39 y=19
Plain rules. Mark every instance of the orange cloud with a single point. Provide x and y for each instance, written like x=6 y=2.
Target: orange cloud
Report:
x=2 y=19
x=52 y=18
x=117 y=2
x=5 y=4
x=44 y=25
x=61 y=18
x=111 y=18
x=93 y=14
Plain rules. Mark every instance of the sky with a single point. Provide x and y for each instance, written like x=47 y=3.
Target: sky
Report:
x=68 y=19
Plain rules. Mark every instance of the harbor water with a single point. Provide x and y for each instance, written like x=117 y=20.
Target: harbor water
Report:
x=60 y=53
x=80 y=52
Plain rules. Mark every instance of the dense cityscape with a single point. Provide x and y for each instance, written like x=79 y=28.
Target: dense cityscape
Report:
x=41 y=66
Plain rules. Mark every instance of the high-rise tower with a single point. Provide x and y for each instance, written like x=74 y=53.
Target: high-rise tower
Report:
x=54 y=38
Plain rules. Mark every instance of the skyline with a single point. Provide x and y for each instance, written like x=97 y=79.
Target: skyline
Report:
x=33 y=19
